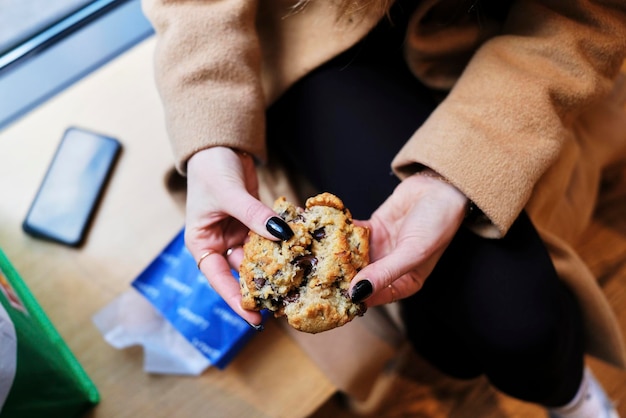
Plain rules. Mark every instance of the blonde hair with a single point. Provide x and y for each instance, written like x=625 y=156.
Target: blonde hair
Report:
x=348 y=8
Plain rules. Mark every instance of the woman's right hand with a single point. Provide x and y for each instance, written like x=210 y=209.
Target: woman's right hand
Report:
x=222 y=206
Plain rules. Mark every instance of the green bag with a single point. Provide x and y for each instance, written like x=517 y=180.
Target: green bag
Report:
x=39 y=375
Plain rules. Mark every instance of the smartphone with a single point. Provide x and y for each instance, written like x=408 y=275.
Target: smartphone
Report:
x=69 y=194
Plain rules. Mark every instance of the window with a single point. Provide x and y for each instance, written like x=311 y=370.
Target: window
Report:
x=22 y=20
x=46 y=45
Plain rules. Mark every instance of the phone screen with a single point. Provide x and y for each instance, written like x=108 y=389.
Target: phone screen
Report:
x=72 y=187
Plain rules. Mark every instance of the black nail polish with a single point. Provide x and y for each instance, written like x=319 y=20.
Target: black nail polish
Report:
x=279 y=228
x=361 y=291
x=258 y=328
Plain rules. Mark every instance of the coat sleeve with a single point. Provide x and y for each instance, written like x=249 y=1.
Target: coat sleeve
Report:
x=207 y=70
x=506 y=119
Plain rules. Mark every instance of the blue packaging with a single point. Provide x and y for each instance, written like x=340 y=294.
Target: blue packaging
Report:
x=183 y=295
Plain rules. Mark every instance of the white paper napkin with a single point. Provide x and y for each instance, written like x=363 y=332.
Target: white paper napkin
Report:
x=131 y=320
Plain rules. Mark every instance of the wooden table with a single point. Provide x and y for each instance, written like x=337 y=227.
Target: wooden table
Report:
x=271 y=377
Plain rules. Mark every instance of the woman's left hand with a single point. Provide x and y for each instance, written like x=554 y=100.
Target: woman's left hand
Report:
x=408 y=234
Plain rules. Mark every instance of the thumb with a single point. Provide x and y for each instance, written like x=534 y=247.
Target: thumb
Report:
x=392 y=277
x=258 y=217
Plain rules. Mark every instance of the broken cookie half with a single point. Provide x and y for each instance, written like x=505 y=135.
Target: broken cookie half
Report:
x=307 y=277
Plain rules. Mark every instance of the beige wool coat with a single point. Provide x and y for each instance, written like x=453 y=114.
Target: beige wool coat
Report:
x=535 y=109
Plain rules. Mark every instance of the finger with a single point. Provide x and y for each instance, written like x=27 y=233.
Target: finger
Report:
x=234 y=256
x=217 y=271
x=222 y=181
x=256 y=216
x=384 y=296
x=404 y=287
x=362 y=223
x=385 y=271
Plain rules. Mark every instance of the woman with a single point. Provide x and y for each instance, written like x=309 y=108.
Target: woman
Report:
x=479 y=109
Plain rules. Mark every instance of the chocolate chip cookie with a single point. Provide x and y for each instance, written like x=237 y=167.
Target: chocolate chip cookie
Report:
x=306 y=278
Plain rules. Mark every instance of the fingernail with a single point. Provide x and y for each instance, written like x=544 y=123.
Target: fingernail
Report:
x=279 y=228
x=258 y=328
x=361 y=291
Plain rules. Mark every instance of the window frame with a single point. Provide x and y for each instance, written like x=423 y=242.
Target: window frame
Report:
x=44 y=65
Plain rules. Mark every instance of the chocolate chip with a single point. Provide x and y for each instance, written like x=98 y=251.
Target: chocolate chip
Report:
x=259 y=282
x=291 y=297
x=362 y=309
x=306 y=263
x=319 y=234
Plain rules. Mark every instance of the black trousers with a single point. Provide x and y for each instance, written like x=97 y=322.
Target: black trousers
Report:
x=492 y=307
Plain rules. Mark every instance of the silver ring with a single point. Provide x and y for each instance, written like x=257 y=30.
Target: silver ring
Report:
x=205 y=255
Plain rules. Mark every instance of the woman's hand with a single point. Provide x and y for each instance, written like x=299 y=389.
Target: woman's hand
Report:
x=222 y=205
x=409 y=233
